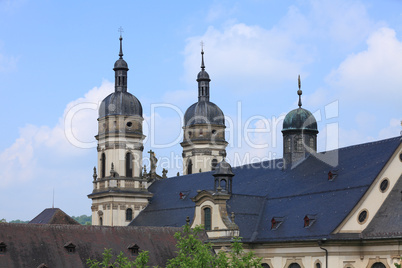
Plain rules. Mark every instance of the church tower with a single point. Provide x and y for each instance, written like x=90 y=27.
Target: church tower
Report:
x=119 y=190
x=204 y=130
x=299 y=134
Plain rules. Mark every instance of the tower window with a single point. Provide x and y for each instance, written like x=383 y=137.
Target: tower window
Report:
x=129 y=124
x=214 y=163
x=298 y=144
x=103 y=165
x=207 y=219
x=129 y=165
x=311 y=145
x=100 y=221
x=190 y=167
x=288 y=146
x=201 y=132
x=129 y=214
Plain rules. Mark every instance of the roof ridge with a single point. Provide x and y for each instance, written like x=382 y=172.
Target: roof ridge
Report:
x=324 y=152
x=321 y=192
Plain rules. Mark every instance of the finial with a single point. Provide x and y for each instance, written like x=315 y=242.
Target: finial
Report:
x=187 y=220
x=202 y=55
x=121 y=39
x=232 y=217
x=299 y=92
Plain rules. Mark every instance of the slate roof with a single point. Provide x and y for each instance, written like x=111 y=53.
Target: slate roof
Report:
x=264 y=190
x=388 y=220
x=29 y=245
x=53 y=216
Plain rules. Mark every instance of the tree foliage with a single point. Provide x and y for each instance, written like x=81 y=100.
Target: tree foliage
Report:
x=120 y=262
x=83 y=219
x=398 y=265
x=192 y=253
x=18 y=221
x=195 y=253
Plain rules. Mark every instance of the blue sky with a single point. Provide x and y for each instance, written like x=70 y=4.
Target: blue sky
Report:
x=56 y=61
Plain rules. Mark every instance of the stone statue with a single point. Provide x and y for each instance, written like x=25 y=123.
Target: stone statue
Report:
x=164 y=172
x=153 y=160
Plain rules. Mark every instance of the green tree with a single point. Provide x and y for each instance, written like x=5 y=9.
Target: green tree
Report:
x=83 y=219
x=195 y=253
x=3 y=220
x=18 y=221
x=120 y=262
x=398 y=265
x=192 y=253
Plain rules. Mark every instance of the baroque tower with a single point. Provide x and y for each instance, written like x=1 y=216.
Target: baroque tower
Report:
x=119 y=190
x=299 y=134
x=204 y=130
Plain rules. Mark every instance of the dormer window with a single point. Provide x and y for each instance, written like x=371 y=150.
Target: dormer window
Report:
x=276 y=222
x=134 y=249
x=70 y=247
x=332 y=174
x=3 y=248
x=309 y=220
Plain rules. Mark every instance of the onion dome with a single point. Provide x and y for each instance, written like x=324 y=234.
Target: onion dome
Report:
x=300 y=119
x=120 y=102
x=203 y=111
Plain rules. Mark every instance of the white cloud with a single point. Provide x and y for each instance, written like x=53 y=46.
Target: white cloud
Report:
x=393 y=129
x=241 y=52
x=20 y=160
x=373 y=73
x=345 y=22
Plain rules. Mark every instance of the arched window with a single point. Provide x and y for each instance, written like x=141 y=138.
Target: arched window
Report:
x=311 y=145
x=207 y=219
x=100 y=221
x=288 y=146
x=103 y=165
x=189 y=167
x=299 y=144
x=129 y=214
x=129 y=165
x=294 y=265
x=378 y=265
x=214 y=163
x=223 y=184
x=265 y=265
x=318 y=265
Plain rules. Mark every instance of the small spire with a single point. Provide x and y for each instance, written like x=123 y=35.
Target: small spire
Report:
x=121 y=47
x=202 y=56
x=121 y=41
x=299 y=92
